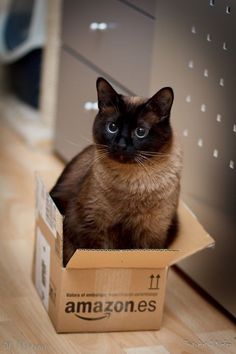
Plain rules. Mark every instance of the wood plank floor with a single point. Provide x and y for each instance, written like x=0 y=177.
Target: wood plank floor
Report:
x=191 y=324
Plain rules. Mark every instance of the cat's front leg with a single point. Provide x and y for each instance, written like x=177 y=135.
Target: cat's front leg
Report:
x=83 y=235
x=69 y=249
x=155 y=232
x=149 y=239
x=83 y=240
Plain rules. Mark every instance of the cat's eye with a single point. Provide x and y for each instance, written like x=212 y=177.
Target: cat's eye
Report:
x=141 y=132
x=112 y=128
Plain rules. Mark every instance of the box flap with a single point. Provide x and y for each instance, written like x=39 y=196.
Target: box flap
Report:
x=191 y=239
x=86 y=259
x=192 y=236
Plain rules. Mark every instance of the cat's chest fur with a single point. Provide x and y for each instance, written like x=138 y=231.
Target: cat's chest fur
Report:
x=139 y=189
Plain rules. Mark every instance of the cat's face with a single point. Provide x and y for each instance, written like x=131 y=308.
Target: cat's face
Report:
x=128 y=128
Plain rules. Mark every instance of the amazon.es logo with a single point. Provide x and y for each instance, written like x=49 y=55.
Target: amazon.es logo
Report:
x=98 y=310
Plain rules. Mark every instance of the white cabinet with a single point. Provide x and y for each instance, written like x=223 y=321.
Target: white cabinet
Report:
x=109 y=38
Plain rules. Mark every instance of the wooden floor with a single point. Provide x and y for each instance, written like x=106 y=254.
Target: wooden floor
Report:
x=191 y=324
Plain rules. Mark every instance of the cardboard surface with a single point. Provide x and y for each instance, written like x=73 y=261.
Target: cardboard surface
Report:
x=104 y=290
x=102 y=300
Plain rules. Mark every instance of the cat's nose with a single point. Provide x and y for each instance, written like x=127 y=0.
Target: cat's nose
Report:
x=122 y=144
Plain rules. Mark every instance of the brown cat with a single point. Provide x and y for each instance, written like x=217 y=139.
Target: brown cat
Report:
x=122 y=191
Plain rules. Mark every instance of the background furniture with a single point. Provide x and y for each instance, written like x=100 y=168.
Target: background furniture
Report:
x=113 y=40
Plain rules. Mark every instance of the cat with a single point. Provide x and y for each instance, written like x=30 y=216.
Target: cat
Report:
x=122 y=191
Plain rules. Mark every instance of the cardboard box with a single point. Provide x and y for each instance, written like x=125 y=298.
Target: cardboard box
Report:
x=104 y=290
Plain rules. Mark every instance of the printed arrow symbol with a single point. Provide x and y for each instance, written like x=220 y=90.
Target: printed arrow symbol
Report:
x=157 y=278
x=154 y=286
x=151 y=283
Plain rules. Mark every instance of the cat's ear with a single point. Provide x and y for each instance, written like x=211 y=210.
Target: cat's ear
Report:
x=161 y=102
x=107 y=96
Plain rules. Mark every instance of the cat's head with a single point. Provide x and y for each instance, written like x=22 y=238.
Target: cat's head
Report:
x=127 y=128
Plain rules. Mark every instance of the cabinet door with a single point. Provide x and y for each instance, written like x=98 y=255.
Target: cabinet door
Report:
x=197 y=58
x=121 y=48
x=76 y=106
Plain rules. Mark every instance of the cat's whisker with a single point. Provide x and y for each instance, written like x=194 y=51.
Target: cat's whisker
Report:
x=156 y=155
x=100 y=156
x=101 y=149
x=101 y=153
x=144 y=160
x=91 y=142
x=71 y=142
x=144 y=157
x=102 y=145
x=76 y=143
x=147 y=159
x=140 y=163
x=153 y=154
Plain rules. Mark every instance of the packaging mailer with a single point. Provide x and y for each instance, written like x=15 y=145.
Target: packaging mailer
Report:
x=132 y=281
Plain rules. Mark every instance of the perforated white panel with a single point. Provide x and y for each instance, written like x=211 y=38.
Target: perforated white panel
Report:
x=195 y=53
